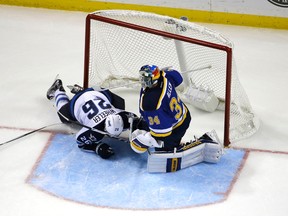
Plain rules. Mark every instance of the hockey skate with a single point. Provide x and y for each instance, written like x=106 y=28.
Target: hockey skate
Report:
x=54 y=87
x=208 y=137
x=74 y=89
x=211 y=137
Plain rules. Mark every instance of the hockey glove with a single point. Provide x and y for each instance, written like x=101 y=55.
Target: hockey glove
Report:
x=104 y=150
x=141 y=140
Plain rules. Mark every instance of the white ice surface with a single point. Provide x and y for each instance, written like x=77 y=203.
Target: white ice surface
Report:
x=37 y=44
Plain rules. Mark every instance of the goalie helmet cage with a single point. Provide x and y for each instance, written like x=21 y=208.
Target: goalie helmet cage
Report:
x=119 y=42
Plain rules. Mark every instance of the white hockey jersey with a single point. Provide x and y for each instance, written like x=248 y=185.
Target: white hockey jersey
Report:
x=90 y=108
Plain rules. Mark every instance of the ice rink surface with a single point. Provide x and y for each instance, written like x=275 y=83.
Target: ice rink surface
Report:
x=38 y=44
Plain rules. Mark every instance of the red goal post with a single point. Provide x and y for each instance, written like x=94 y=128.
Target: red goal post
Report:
x=108 y=39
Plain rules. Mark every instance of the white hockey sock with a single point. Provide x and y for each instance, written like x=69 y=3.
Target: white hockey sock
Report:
x=60 y=99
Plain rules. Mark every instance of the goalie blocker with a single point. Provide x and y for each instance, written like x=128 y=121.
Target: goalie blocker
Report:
x=207 y=148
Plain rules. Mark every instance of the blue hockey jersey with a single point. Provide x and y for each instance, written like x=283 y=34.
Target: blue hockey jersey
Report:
x=161 y=106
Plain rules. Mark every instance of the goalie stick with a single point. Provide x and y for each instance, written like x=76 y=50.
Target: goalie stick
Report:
x=28 y=133
x=136 y=81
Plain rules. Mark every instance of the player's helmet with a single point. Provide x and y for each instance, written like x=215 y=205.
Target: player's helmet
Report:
x=149 y=75
x=114 y=125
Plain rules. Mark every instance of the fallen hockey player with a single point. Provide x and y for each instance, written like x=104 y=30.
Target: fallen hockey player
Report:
x=99 y=112
x=168 y=119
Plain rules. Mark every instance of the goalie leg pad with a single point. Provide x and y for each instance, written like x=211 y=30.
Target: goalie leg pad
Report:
x=207 y=149
x=212 y=152
x=214 y=149
x=171 y=162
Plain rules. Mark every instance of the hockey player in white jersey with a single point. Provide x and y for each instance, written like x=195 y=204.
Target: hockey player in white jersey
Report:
x=168 y=119
x=99 y=113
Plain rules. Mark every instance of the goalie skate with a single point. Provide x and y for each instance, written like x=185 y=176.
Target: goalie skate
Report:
x=208 y=137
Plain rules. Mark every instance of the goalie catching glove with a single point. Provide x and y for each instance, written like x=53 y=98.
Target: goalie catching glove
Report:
x=141 y=140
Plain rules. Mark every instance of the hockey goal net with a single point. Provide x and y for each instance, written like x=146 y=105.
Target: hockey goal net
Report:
x=119 y=42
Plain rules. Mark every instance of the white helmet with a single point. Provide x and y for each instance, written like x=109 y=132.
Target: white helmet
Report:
x=114 y=125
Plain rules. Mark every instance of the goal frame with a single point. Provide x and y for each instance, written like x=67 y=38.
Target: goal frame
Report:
x=228 y=50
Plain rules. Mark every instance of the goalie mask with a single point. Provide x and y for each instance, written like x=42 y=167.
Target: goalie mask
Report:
x=149 y=75
x=114 y=125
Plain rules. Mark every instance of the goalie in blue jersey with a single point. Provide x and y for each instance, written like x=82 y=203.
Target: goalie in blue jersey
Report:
x=167 y=115
x=168 y=119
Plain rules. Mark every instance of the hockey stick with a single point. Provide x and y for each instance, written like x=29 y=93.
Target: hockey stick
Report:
x=81 y=125
x=26 y=134
x=136 y=81
x=197 y=69
x=130 y=119
x=190 y=71
x=98 y=88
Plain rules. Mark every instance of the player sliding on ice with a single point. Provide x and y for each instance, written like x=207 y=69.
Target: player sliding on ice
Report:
x=168 y=119
x=99 y=113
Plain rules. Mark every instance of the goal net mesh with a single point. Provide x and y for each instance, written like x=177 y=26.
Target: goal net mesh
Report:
x=114 y=55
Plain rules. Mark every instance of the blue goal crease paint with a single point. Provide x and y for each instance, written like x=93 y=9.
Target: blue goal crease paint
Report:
x=123 y=182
